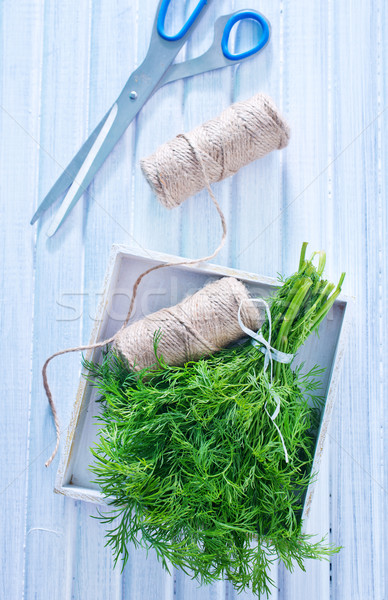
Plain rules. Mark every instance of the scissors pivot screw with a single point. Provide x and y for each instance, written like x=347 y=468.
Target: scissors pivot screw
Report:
x=133 y=95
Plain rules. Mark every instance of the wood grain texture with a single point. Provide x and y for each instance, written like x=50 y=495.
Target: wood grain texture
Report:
x=304 y=210
x=51 y=521
x=359 y=492
x=109 y=67
x=62 y=65
x=19 y=90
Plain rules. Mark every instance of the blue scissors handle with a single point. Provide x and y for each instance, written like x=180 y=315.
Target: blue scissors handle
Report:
x=162 y=17
x=240 y=16
x=234 y=18
x=219 y=55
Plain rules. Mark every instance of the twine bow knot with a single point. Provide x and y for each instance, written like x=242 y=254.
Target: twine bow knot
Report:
x=270 y=354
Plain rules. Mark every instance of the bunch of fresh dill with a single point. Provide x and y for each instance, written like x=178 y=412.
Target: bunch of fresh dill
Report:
x=190 y=461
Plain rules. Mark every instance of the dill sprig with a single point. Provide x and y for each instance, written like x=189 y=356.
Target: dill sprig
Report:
x=190 y=461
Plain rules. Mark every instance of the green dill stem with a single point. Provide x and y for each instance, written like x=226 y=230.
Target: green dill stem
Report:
x=318 y=287
x=293 y=309
x=322 y=297
x=328 y=304
x=310 y=270
x=306 y=269
x=283 y=306
x=302 y=255
x=322 y=263
x=325 y=294
x=328 y=287
x=291 y=313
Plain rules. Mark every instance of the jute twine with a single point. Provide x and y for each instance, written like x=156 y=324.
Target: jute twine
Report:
x=242 y=133
x=179 y=169
x=196 y=327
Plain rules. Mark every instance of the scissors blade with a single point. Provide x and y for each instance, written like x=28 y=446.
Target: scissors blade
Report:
x=104 y=142
x=143 y=82
x=68 y=175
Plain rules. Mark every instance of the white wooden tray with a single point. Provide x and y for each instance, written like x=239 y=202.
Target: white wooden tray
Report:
x=164 y=288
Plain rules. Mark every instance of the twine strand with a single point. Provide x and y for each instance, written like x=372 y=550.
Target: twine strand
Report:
x=46 y=386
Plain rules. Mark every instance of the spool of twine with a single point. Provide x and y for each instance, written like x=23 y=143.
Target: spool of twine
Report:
x=242 y=133
x=196 y=327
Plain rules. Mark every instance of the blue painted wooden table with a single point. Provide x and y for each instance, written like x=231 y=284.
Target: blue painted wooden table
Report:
x=62 y=65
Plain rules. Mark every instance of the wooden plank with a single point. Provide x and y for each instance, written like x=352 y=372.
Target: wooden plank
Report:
x=381 y=473
x=51 y=520
x=145 y=578
x=356 y=455
x=160 y=119
x=106 y=219
x=255 y=198
x=19 y=126
x=200 y=225
x=93 y=570
x=191 y=589
x=303 y=216
x=257 y=188
x=113 y=56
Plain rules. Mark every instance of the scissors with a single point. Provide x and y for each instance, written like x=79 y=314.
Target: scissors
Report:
x=155 y=71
